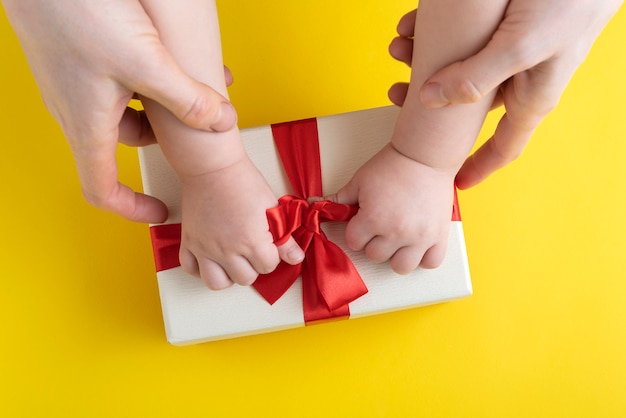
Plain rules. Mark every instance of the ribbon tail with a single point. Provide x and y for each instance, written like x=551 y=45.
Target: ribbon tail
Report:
x=314 y=306
x=329 y=282
x=273 y=285
x=341 y=282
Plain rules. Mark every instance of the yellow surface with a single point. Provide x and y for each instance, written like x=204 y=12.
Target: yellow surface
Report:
x=543 y=336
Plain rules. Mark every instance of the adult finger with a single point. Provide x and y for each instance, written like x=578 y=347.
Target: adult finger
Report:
x=194 y=103
x=470 y=80
x=397 y=93
x=228 y=76
x=97 y=169
x=135 y=129
x=504 y=146
x=402 y=49
x=528 y=97
x=406 y=25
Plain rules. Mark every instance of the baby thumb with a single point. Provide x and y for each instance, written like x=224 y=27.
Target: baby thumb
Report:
x=290 y=252
x=347 y=195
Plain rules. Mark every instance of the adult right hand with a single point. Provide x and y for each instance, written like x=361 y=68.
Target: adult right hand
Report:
x=89 y=58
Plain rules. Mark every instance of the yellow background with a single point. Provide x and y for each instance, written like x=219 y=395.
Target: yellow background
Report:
x=543 y=336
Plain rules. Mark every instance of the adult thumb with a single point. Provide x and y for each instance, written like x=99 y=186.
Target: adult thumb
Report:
x=469 y=80
x=194 y=103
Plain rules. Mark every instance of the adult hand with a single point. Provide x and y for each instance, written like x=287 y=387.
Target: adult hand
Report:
x=89 y=59
x=530 y=58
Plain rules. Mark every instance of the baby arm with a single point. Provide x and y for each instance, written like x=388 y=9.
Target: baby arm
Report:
x=225 y=234
x=405 y=192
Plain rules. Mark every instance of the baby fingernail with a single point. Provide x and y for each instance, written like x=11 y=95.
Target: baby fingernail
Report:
x=295 y=255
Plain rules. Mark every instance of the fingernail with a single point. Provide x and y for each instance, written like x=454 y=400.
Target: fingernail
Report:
x=432 y=96
x=295 y=255
x=227 y=118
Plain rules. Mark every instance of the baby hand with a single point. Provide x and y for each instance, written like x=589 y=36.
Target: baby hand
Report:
x=404 y=212
x=225 y=236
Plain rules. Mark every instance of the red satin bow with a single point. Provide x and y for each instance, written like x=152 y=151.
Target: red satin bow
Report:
x=329 y=279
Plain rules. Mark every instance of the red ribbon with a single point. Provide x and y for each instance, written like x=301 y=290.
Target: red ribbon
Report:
x=166 y=245
x=329 y=279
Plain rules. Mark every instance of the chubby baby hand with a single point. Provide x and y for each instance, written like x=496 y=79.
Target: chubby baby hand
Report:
x=225 y=233
x=405 y=209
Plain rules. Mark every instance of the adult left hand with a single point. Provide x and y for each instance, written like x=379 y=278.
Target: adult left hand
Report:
x=531 y=58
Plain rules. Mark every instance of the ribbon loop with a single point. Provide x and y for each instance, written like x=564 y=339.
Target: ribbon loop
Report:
x=330 y=280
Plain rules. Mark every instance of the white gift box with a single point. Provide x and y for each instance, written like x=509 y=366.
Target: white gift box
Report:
x=192 y=313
